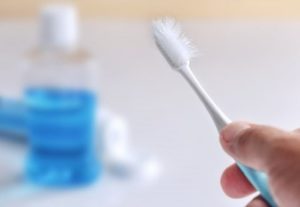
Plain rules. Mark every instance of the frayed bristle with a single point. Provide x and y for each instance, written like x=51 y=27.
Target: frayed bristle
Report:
x=172 y=43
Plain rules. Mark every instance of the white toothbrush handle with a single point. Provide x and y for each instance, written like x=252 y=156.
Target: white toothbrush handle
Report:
x=258 y=179
x=219 y=118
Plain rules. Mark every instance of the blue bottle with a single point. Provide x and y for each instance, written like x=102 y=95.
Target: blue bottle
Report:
x=12 y=119
x=60 y=104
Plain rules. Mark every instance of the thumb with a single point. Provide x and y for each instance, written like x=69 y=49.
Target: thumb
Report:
x=253 y=145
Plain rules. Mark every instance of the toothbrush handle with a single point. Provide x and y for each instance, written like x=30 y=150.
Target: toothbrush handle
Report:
x=260 y=181
x=219 y=118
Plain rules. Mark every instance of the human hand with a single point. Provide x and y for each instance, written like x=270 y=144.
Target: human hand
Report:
x=267 y=149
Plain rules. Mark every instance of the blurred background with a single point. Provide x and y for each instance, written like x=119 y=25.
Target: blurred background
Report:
x=248 y=61
x=147 y=9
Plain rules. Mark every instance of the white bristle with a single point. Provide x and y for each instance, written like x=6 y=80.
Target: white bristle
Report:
x=172 y=43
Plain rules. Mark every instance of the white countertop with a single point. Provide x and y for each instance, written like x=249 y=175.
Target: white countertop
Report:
x=252 y=69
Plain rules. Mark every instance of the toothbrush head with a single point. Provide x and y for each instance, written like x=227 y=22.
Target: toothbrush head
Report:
x=172 y=43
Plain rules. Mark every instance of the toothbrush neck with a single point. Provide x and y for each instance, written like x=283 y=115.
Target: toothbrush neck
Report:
x=219 y=118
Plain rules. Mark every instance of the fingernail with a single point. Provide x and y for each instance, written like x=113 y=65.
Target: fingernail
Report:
x=232 y=130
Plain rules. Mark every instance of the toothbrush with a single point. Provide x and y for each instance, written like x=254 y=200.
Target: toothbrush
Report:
x=178 y=51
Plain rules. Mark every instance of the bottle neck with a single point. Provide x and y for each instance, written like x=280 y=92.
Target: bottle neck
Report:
x=59 y=48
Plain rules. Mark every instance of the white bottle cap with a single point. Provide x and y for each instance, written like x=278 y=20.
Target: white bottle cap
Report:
x=59 y=27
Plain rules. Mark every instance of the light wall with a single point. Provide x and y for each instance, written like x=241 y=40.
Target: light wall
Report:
x=283 y=9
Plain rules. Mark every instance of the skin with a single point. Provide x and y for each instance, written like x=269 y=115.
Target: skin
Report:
x=273 y=151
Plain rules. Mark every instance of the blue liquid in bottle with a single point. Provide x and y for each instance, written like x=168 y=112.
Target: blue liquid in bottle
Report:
x=12 y=123
x=61 y=131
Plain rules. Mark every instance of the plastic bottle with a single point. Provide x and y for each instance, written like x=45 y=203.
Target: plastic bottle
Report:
x=60 y=103
x=12 y=119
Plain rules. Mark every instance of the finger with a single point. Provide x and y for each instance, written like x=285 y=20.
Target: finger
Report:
x=235 y=184
x=253 y=145
x=257 y=202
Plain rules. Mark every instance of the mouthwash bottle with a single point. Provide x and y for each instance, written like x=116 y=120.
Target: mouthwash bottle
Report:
x=12 y=123
x=60 y=104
